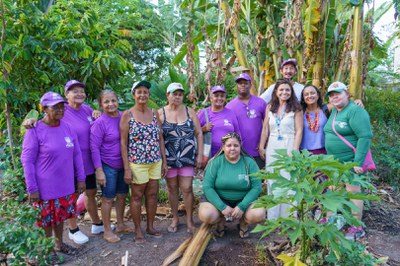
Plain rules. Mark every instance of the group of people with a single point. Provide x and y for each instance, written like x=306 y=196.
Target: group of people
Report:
x=73 y=148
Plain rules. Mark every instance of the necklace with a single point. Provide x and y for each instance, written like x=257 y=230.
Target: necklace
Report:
x=313 y=125
x=278 y=121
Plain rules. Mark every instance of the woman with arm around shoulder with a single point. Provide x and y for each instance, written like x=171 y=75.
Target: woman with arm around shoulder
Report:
x=106 y=156
x=230 y=188
x=52 y=147
x=143 y=156
x=353 y=124
x=184 y=150
x=282 y=129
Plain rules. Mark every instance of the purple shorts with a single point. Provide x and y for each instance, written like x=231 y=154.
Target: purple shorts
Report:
x=184 y=171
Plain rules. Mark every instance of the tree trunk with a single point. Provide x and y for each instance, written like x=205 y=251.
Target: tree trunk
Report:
x=355 y=86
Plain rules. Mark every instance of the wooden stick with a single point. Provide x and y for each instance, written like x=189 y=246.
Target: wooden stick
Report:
x=177 y=253
x=192 y=251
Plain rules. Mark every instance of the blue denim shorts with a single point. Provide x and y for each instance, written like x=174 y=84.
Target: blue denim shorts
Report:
x=114 y=182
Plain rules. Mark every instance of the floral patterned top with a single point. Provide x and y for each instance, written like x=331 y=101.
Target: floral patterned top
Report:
x=144 y=141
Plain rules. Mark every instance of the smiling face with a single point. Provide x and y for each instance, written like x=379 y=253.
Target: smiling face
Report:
x=141 y=95
x=310 y=95
x=76 y=95
x=283 y=92
x=231 y=149
x=243 y=87
x=288 y=71
x=175 y=98
x=109 y=103
x=218 y=99
x=54 y=113
x=339 y=99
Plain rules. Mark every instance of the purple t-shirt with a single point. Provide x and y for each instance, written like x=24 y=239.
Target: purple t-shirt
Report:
x=51 y=157
x=105 y=141
x=80 y=122
x=250 y=117
x=224 y=122
x=312 y=140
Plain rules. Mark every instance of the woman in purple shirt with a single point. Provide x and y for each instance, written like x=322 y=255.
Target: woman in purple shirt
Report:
x=221 y=120
x=50 y=156
x=107 y=160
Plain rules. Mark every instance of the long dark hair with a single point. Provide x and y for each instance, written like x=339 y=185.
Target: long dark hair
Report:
x=319 y=101
x=292 y=105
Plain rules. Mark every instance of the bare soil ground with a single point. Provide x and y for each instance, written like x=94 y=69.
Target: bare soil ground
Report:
x=383 y=238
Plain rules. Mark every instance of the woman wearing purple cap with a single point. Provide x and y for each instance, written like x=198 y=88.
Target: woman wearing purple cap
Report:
x=107 y=160
x=79 y=117
x=50 y=156
x=184 y=151
x=221 y=120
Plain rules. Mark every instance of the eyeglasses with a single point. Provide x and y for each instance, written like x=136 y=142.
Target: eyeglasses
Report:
x=57 y=108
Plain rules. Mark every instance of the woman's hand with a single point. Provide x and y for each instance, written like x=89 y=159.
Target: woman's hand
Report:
x=261 y=152
x=227 y=212
x=207 y=127
x=358 y=170
x=128 y=176
x=164 y=169
x=101 y=177
x=81 y=187
x=359 y=103
x=237 y=213
x=96 y=114
x=34 y=197
x=199 y=161
x=29 y=123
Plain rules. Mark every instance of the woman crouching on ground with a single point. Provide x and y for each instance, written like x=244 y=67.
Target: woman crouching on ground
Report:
x=230 y=188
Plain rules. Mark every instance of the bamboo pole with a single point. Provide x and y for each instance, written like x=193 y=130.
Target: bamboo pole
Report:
x=192 y=253
x=177 y=253
x=355 y=86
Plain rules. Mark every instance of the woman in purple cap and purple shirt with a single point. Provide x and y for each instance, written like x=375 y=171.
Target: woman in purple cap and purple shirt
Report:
x=79 y=117
x=50 y=156
x=220 y=119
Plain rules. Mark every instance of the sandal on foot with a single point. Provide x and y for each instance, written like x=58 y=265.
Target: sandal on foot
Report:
x=56 y=259
x=126 y=230
x=220 y=232
x=112 y=239
x=172 y=229
x=155 y=234
x=140 y=240
x=67 y=249
x=243 y=233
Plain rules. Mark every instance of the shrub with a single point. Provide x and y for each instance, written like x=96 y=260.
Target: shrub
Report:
x=315 y=244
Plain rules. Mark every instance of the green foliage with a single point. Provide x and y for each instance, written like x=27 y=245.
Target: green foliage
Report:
x=314 y=241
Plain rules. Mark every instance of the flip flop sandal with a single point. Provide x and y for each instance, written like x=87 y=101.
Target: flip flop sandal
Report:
x=67 y=249
x=220 y=232
x=139 y=241
x=243 y=233
x=127 y=230
x=172 y=229
x=113 y=239
x=155 y=234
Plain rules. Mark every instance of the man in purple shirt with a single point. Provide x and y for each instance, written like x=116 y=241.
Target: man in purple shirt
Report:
x=250 y=113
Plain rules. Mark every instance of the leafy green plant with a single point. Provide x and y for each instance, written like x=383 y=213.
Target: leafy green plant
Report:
x=313 y=241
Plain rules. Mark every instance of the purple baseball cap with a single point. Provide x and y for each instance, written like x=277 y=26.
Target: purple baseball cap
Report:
x=73 y=83
x=289 y=61
x=243 y=76
x=51 y=98
x=218 y=88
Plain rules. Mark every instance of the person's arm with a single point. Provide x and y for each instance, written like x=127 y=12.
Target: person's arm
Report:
x=199 y=138
x=255 y=186
x=164 y=167
x=124 y=132
x=359 y=122
x=264 y=135
x=210 y=177
x=96 y=139
x=236 y=125
x=205 y=127
x=30 y=152
x=79 y=170
x=266 y=96
x=298 y=127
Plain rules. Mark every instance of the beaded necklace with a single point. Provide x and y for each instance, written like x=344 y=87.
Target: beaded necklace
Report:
x=313 y=125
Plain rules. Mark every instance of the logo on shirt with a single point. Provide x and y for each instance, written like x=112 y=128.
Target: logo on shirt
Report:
x=227 y=123
x=68 y=142
x=252 y=113
x=89 y=118
x=342 y=124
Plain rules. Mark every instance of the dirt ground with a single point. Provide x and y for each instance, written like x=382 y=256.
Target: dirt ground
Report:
x=383 y=238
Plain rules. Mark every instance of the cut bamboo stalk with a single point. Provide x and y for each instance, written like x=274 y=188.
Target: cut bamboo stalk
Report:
x=202 y=249
x=192 y=251
x=177 y=253
x=124 y=259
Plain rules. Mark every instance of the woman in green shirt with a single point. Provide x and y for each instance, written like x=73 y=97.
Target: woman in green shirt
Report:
x=353 y=124
x=230 y=189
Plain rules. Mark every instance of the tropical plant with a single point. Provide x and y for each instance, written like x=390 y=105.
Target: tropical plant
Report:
x=315 y=242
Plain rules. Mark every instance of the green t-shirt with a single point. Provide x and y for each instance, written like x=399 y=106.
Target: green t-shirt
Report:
x=354 y=125
x=224 y=180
